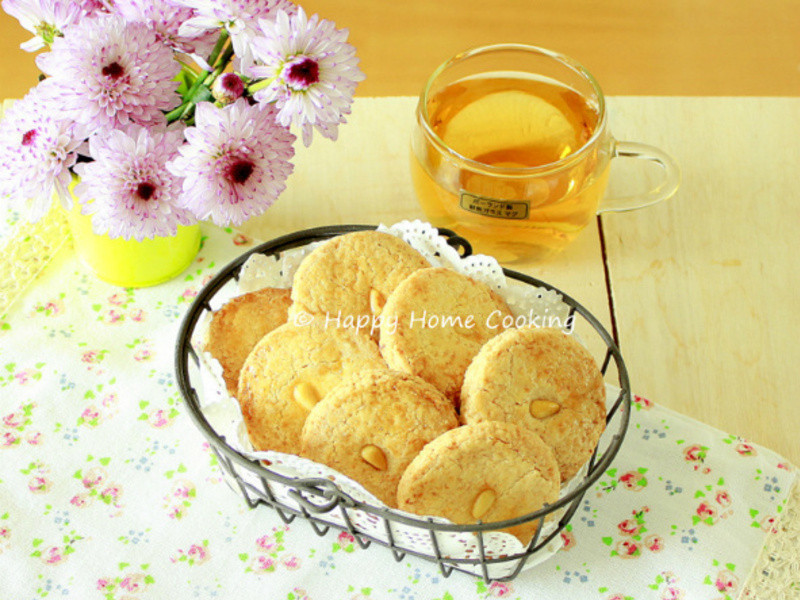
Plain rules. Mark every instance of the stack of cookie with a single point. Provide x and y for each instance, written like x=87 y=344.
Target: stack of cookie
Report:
x=403 y=377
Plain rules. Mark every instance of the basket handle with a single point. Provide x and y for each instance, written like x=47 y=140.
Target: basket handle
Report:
x=320 y=488
x=462 y=246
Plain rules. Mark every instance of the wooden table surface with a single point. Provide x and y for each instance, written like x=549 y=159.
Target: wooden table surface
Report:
x=634 y=47
x=701 y=288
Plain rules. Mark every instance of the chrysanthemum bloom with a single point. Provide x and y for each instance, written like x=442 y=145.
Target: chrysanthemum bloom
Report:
x=313 y=72
x=46 y=19
x=236 y=161
x=165 y=18
x=127 y=188
x=238 y=17
x=36 y=151
x=106 y=73
x=94 y=7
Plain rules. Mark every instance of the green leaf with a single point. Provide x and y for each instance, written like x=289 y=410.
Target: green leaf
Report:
x=243 y=556
x=105 y=460
x=730 y=566
x=699 y=494
x=201 y=94
x=36 y=542
x=607 y=540
x=753 y=513
x=186 y=77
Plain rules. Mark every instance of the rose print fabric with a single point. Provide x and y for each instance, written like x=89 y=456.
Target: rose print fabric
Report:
x=108 y=491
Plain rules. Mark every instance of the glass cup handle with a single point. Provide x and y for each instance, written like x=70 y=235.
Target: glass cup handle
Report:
x=665 y=189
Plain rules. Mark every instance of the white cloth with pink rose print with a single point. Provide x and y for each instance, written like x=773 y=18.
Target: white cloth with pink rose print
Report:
x=107 y=490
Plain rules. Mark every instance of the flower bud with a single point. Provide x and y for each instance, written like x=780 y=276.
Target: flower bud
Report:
x=227 y=88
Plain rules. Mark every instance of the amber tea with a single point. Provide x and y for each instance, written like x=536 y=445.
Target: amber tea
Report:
x=511 y=123
x=512 y=151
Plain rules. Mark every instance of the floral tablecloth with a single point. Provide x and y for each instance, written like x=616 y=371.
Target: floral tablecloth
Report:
x=107 y=490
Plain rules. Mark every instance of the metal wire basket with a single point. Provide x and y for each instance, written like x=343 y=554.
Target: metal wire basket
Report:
x=325 y=505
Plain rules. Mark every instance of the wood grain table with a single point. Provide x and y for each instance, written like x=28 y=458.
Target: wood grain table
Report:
x=699 y=290
x=673 y=47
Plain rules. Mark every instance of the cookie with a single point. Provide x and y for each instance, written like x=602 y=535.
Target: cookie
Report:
x=349 y=277
x=487 y=472
x=435 y=322
x=544 y=380
x=370 y=427
x=289 y=371
x=241 y=322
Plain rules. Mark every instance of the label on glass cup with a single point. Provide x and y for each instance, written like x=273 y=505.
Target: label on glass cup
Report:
x=492 y=207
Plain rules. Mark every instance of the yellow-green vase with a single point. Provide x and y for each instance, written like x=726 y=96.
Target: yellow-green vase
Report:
x=130 y=263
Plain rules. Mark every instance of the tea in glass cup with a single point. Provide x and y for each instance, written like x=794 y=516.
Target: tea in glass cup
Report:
x=512 y=151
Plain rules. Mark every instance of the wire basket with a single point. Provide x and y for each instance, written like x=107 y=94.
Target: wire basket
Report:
x=325 y=505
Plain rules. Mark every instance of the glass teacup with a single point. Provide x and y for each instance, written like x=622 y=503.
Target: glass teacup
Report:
x=512 y=150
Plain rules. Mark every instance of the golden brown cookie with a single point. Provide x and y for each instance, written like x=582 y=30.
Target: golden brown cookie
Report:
x=544 y=380
x=238 y=325
x=435 y=322
x=289 y=371
x=350 y=276
x=487 y=472
x=373 y=424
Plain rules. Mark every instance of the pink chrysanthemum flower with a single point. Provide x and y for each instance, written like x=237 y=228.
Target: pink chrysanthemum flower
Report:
x=94 y=7
x=239 y=17
x=236 y=161
x=127 y=188
x=36 y=152
x=165 y=17
x=313 y=71
x=106 y=73
x=45 y=19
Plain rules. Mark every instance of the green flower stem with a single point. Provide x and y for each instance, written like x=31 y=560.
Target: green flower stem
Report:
x=223 y=39
x=221 y=57
x=260 y=85
x=208 y=80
